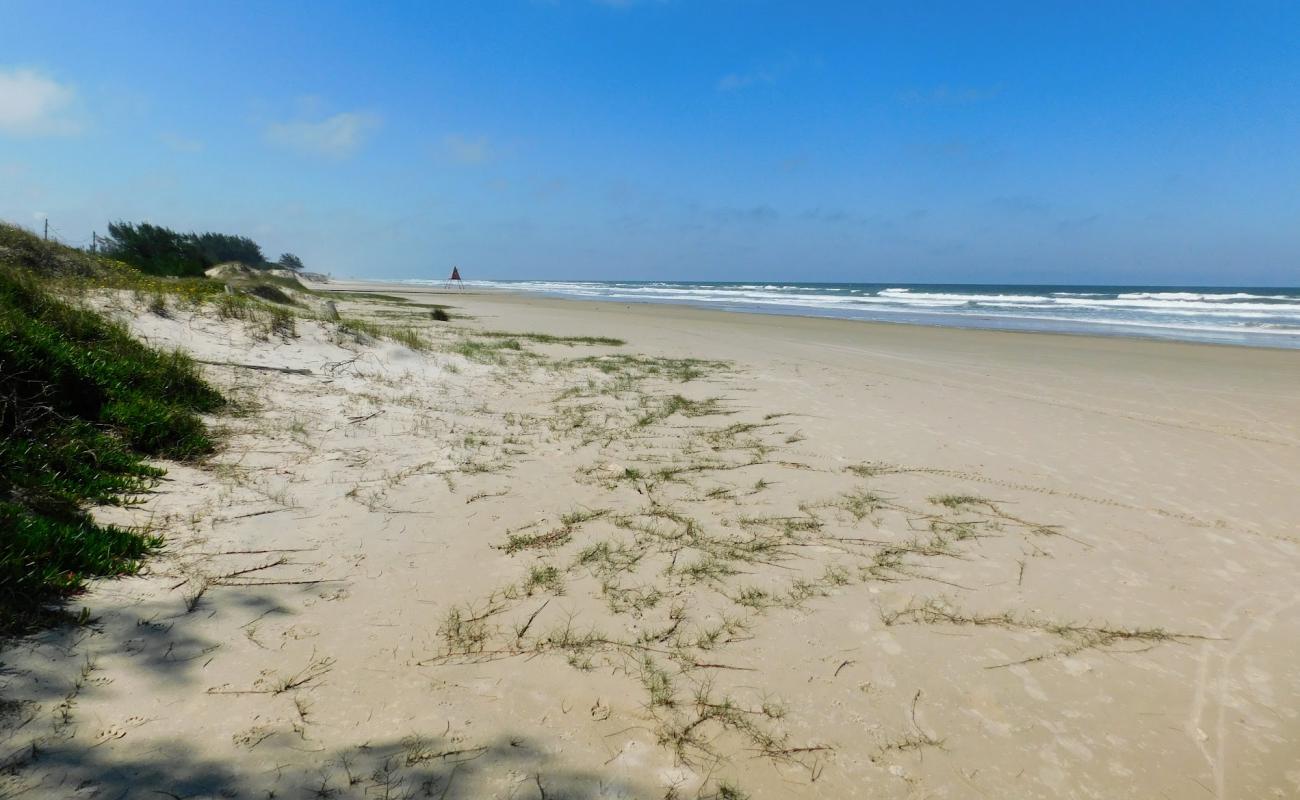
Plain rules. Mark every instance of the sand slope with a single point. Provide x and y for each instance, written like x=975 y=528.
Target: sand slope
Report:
x=783 y=557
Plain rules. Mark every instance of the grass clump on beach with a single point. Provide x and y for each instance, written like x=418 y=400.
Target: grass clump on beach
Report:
x=547 y=338
x=81 y=404
x=411 y=337
x=489 y=351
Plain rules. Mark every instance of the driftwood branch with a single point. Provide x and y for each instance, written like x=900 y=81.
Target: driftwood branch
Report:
x=262 y=367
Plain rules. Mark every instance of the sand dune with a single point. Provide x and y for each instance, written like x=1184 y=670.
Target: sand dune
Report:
x=737 y=556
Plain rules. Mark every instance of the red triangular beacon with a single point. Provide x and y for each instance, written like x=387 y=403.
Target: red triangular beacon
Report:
x=455 y=273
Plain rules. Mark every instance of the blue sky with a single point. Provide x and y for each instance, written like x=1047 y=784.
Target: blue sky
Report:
x=674 y=139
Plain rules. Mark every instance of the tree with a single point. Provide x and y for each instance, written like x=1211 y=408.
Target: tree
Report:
x=218 y=248
x=154 y=249
x=291 y=262
x=162 y=251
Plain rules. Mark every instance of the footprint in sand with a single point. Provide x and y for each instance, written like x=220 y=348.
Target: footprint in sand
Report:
x=253 y=736
x=888 y=643
x=109 y=734
x=302 y=632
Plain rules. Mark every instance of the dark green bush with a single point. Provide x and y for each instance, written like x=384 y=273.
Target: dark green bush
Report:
x=156 y=250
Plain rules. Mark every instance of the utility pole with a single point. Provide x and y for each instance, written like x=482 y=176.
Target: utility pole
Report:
x=94 y=241
x=47 y=229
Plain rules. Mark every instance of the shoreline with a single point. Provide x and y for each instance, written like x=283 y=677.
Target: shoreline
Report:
x=1285 y=339
x=509 y=554
x=892 y=331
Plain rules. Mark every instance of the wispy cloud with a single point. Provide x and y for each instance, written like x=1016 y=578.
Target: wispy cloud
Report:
x=768 y=73
x=945 y=95
x=467 y=150
x=740 y=80
x=338 y=136
x=34 y=104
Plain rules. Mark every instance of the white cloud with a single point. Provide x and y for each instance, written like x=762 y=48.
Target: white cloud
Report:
x=338 y=136
x=737 y=80
x=464 y=150
x=771 y=72
x=33 y=104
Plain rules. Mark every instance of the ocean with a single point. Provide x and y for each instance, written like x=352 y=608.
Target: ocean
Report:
x=1262 y=317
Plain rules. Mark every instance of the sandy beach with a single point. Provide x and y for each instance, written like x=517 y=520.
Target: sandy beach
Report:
x=737 y=555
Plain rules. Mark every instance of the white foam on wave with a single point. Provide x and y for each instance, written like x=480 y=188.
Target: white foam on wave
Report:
x=907 y=294
x=1277 y=308
x=1242 y=314
x=1206 y=296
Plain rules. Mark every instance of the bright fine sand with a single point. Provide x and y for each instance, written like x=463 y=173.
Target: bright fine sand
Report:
x=739 y=555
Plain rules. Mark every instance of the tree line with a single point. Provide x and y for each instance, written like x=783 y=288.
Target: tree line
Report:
x=156 y=250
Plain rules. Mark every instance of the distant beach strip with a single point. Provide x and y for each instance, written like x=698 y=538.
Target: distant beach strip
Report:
x=1261 y=317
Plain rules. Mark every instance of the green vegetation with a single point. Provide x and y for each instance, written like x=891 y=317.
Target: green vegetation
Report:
x=636 y=368
x=490 y=351
x=956 y=502
x=547 y=338
x=374 y=297
x=676 y=404
x=398 y=333
x=22 y=248
x=156 y=250
x=81 y=404
x=290 y=262
x=270 y=292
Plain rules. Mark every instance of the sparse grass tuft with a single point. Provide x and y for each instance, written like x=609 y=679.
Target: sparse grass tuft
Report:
x=677 y=404
x=282 y=324
x=544 y=577
x=487 y=351
x=860 y=504
x=556 y=537
x=1075 y=637
x=957 y=502
x=401 y=334
x=547 y=338
x=870 y=470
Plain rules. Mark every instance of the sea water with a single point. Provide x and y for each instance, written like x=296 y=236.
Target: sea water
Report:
x=1268 y=317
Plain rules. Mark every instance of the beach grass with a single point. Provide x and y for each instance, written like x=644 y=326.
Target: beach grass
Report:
x=82 y=404
x=547 y=338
